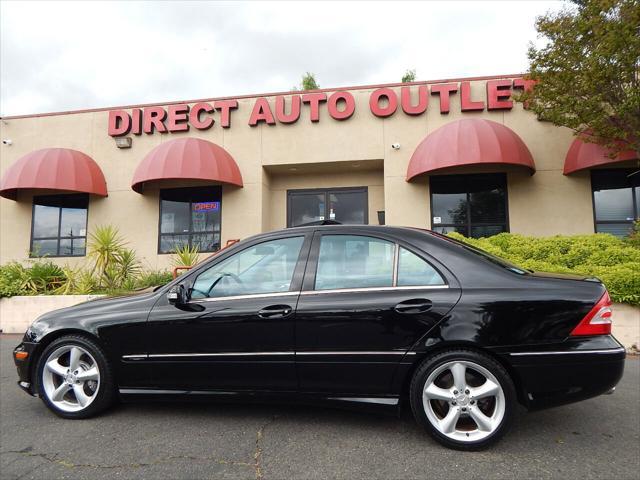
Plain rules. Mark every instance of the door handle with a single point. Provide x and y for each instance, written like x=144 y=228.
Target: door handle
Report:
x=275 y=311
x=415 y=305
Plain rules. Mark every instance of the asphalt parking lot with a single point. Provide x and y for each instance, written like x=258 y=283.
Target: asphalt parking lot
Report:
x=598 y=438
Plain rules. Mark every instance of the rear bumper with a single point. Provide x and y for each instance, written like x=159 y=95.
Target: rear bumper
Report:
x=569 y=372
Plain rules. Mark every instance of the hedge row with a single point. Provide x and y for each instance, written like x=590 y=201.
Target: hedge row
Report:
x=614 y=261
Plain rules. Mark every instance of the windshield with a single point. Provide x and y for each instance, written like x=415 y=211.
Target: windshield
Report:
x=485 y=255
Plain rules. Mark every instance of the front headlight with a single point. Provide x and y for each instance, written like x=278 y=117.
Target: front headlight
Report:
x=35 y=331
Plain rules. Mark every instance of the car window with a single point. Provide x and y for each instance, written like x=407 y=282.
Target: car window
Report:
x=413 y=270
x=353 y=261
x=264 y=268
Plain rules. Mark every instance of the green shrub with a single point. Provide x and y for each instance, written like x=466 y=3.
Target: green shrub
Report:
x=614 y=261
x=153 y=278
x=13 y=280
x=37 y=277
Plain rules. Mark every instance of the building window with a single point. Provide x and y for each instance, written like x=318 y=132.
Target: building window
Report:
x=473 y=205
x=616 y=200
x=59 y=225
x=190 y=216
x=344 y=205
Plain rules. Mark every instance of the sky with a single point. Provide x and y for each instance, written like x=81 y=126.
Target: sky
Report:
x=57 y=56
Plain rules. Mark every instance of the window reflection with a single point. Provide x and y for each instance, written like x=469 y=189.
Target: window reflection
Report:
x=472 y=205
x=615 y=200
x=344 y=205
x=264 y=268
x=190 y=217
x=59 y=225
x=353 y=261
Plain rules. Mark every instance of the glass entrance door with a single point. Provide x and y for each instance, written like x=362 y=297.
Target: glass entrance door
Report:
x=344 y=205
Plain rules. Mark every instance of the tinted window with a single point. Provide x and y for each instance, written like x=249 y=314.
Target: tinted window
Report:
x=615 y=200
x=473 y=205
x=351 y=261
x=190 y=216
x=345 y=205
x=264 y=268
x=59 y=225
x=414 y=271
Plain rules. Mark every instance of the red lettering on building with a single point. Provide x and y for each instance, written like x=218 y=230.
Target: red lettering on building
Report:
x=294 y=113
x=524 y=83
x=466 y=104
x=177 y=118
x=153 y=120
x=347 y=100
x=119 y=123
x=423 y=100
x=261 y=113
x=314 y=100
x=225 y=107
x=391 y=102
x=196 y=116
x=444 y=91
x=499 y=95
x=136 y=121
x=341 y=105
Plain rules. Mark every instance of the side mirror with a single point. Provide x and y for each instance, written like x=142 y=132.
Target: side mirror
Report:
x=177 y=295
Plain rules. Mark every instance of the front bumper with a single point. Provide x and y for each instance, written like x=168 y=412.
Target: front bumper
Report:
x=24 y=366
x=574 y=370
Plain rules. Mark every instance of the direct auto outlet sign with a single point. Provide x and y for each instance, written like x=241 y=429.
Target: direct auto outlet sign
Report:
x=340 y=105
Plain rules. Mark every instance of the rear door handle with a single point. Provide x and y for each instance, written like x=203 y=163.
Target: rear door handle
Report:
x=275 y=311
x=415 y=305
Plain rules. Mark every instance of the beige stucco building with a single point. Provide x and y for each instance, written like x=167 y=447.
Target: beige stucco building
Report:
x=357 y=155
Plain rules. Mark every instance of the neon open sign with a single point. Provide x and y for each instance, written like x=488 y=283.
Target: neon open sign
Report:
x=206 y=206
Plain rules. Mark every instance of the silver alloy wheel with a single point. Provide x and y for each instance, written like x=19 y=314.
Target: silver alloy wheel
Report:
x=463 y=401
x=71 y=378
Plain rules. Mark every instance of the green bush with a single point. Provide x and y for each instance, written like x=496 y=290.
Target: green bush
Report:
x=153 y=278
x=37 y=277
x=614 y=261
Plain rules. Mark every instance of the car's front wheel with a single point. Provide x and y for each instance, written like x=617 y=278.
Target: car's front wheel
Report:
x=464 y=399
x=74 y=377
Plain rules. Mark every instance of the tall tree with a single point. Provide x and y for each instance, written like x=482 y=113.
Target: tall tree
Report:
x=409 y=76
x=309 y=82
x=587 y=72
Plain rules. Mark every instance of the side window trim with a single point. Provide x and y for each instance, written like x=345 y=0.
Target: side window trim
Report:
x=308 y=284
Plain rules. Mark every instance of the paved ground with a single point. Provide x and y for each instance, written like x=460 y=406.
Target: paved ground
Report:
x=597 y=438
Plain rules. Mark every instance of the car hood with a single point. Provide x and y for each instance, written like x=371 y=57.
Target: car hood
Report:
x=92 y=314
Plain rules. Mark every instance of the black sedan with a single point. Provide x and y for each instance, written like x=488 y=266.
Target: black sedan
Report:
x=345 y=314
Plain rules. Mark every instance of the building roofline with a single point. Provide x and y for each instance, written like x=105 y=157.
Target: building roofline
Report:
x=259 y=95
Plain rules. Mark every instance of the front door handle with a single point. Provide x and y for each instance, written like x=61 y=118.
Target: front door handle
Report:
x=275 y=311
x=415 y=305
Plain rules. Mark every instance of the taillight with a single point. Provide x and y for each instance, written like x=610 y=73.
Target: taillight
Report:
x=598 y=320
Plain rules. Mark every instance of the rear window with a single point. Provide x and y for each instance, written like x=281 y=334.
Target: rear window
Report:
x=501 y=262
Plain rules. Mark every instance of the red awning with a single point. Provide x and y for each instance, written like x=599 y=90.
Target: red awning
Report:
x=187 y=159
x=469 y=142
x=583 y=155
x=54 y=169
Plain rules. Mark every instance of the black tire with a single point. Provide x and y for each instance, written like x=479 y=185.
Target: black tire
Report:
x=105 y=394
x=430 y=364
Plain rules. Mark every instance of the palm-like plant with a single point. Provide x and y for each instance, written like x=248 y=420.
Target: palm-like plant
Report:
x=105 y=247
x=44 y=277
x=186 y=256
x=128 y=265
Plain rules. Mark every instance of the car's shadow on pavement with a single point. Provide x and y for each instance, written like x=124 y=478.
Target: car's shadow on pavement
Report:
x=568 y=420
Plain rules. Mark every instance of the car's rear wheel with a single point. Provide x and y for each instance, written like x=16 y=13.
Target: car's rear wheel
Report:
x=464 y=399
x=74 y=377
